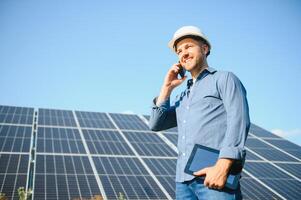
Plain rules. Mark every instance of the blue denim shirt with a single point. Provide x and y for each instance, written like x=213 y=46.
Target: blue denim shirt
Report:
x=212 y=112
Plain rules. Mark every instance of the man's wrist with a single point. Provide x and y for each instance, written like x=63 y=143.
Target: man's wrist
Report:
x=224 y=164
x=164 y=95
x=166 y=89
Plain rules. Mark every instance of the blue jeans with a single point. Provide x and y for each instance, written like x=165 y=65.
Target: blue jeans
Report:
x=195 y=190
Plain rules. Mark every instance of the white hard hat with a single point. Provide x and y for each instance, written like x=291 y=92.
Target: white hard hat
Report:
x=187 y=31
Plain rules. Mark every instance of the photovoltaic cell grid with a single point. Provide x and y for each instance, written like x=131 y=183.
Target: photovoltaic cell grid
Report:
x=165 y=171
x=252 y=190
x=149 y=144
x=173 y=137
x=16 y=115
x=252 y=156
x=260 y=132
x=126 y=176
x=15 y=139
x=64 y=177
x=60 y=172
x=129 y=122
x=56 y=117
x=106 y=142
x=287 y=146
x=268 y=151
x=13 y=173
x=59 y=140
x=275 y=179
x=293 y=168
x=94 y=120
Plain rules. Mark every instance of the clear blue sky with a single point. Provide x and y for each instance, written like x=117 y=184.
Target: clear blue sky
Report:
x=112 y=56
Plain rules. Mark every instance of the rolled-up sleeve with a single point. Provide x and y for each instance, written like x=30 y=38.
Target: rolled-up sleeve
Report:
x=235 y=102
x=162 y=116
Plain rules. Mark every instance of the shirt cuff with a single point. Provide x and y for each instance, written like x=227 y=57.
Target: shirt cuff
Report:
x=235 y=153
x=165 y=104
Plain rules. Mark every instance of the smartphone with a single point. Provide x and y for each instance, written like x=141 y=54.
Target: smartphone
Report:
x=182 y=71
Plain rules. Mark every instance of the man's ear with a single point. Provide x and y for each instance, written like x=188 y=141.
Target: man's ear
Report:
x=205 y=49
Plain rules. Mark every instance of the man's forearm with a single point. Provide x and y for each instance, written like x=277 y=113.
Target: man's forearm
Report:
x=163 y=115
x=164 y=95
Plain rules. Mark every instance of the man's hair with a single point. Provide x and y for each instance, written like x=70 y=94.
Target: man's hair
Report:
x=197 y=38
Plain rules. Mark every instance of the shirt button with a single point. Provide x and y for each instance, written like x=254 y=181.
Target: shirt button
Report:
x=184 y=121
x=183 y=137
x=183 y=154
x=187 y=107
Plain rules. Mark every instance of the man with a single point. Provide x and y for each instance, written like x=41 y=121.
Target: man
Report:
x=212 y=111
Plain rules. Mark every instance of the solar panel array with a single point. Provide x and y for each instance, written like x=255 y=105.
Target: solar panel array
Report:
x=16 y=131
x=63 y=154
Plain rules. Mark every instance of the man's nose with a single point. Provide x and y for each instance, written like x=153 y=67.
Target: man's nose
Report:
x=185 y=54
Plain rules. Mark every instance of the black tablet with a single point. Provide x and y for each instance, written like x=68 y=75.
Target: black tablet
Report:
x=202 y=156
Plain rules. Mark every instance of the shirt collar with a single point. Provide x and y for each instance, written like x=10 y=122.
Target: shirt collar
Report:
x=211 y=70
x=205 y=72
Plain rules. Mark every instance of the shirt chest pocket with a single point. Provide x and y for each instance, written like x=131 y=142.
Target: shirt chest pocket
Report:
x=206 y=101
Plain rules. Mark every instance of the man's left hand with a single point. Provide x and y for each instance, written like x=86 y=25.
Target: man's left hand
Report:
x=216 y=175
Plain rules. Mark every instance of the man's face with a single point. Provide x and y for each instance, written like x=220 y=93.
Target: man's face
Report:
x=191 y=53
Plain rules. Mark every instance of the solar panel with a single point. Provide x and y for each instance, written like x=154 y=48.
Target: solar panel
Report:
x=293 y=168
x=287 y=146
x=276 y=179
x=94 y=120
x=264 y=170
x=161 y=166
x=254 y=143
x=59 y=140
x=267 y=151
x=274 y=155
x=64 y=177
x=146 y=117
x=106 y=142
x=15 y=138
x=126 y=176
x=172 y=137
x=165 y=171
x=252 y=156
x=13 y=173
x=149 y=144
x=79 y=155
x=16 y=115
x=56 y=117
x=296 y=153
x=284 y=144
x=129 y=122
x=252 y=190
x=260 y=132
x=288 y=188
x=13 y=163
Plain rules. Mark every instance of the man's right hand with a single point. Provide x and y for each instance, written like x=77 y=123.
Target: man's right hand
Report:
x=171 y=79
x=170 y=82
